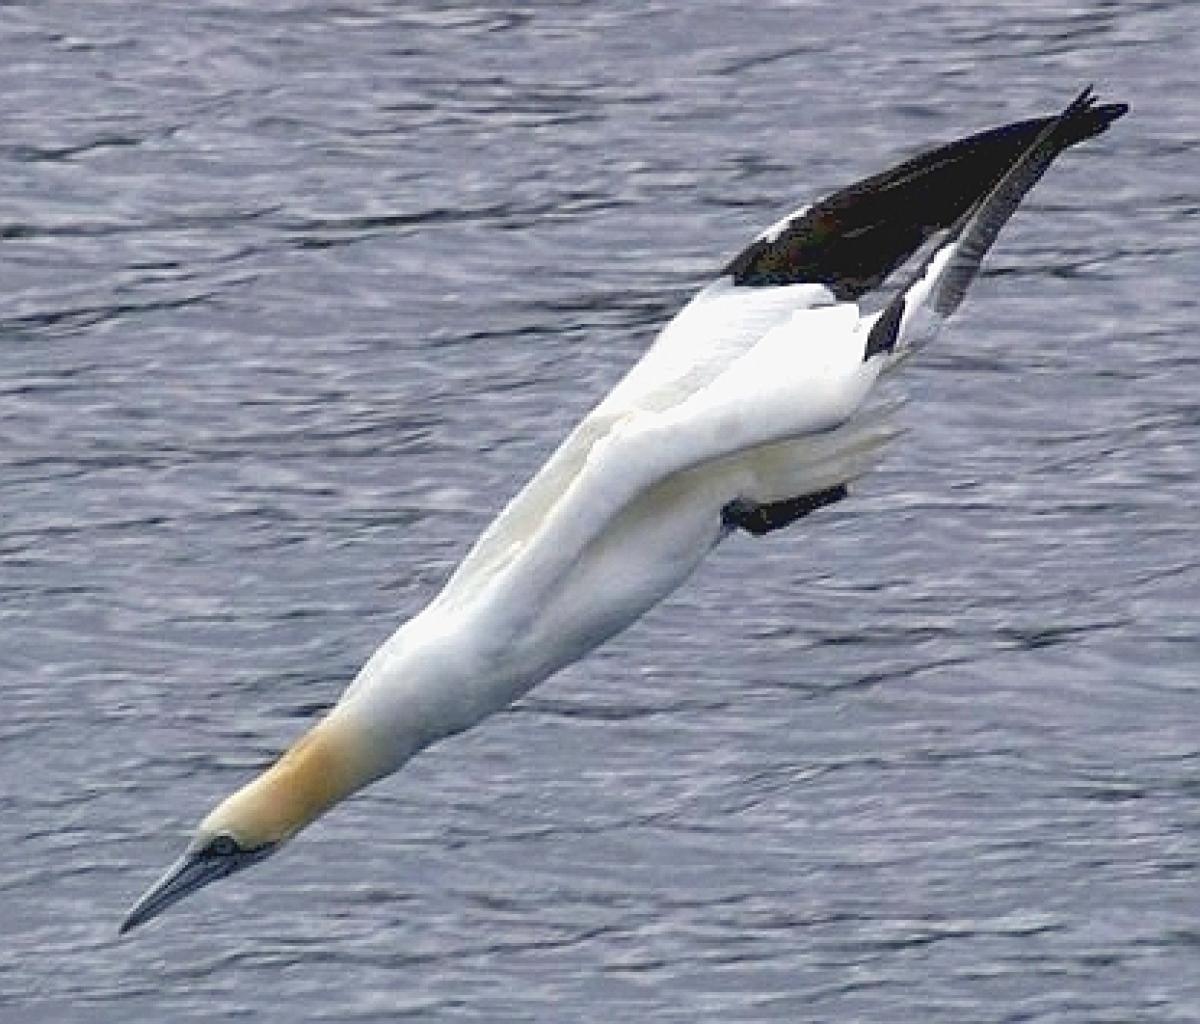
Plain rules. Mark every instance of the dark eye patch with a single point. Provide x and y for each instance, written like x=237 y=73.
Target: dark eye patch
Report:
x=222 y=846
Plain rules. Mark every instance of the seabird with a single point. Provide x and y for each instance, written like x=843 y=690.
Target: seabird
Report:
x=747 y=413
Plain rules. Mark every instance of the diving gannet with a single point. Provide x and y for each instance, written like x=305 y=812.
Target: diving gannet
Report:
x=747 y=413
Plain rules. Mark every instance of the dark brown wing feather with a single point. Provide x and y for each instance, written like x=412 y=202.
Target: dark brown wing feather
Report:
x=852 y=240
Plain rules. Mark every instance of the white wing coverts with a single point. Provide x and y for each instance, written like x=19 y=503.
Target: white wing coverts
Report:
x=757 y=381
x=763 y=398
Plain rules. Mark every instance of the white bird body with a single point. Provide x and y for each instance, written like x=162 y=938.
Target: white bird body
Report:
x=631 y=502
x=749 y=411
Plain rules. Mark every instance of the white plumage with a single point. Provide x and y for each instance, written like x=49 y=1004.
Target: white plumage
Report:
x=748 y=412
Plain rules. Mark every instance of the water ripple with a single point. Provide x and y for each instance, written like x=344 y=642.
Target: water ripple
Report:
x=298 y=294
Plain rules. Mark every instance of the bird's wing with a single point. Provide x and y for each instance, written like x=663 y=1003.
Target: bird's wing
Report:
x=768 y=363
x=719 y=325
x=853 y=239
x=803 y=378
x=937 y=287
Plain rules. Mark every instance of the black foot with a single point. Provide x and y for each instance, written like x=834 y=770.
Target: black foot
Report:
x=758 y=519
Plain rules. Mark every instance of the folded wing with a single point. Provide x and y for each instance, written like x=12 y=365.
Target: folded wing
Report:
x=761 y=375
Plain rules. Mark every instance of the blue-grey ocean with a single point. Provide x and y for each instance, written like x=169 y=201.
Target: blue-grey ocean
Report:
x=296 y=294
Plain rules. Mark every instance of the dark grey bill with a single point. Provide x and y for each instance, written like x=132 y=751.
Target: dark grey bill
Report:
x=194 y=870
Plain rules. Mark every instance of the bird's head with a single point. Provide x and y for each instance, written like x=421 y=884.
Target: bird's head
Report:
x=326 y=765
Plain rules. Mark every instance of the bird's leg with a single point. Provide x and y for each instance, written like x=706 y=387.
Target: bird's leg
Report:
x=758 y=518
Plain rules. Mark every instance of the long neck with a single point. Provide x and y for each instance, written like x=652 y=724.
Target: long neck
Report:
x=324 y=766
x=416 y=689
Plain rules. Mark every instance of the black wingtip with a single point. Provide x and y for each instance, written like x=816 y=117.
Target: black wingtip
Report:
x=973 y=236
x=886 y=329
x=1083 y=118
x=852 y=240
x=1109 y=112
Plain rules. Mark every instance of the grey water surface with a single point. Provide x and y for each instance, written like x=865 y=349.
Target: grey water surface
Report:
x=297 y=294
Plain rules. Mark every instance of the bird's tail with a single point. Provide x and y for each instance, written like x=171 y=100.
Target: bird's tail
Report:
x=937 y=287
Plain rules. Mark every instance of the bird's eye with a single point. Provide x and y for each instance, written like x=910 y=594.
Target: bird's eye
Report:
x=222 y=846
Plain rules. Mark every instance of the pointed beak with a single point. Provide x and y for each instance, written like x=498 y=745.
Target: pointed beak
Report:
x=191 y=872
x=194 y=870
